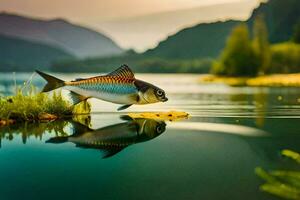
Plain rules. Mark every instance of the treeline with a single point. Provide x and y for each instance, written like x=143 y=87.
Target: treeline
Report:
x=250 y=56
x=285 y=58
x=137 y=63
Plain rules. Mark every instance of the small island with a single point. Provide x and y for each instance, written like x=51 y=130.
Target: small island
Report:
x=253 y=61
x=38 y=107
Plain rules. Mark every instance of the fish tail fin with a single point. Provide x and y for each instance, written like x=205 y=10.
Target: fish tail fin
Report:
x=52 y=82
x=57 y=140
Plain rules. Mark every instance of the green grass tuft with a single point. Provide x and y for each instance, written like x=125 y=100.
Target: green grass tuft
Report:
x=29 y=106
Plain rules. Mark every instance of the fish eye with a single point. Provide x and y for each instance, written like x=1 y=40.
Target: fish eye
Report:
x=158 y=129
x=159 y=92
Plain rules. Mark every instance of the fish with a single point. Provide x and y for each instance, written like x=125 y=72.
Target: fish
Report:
x=119 y=86
x=114 y=138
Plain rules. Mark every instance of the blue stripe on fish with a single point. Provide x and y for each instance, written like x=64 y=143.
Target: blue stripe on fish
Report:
x=110 y=88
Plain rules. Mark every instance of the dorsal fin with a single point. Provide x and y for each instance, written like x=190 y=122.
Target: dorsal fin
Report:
x=80 y=79
x=124 y=71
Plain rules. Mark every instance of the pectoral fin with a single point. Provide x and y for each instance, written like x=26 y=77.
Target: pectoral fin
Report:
x=125 y=118
x=58 y=140
x=77 y=98
x=124 y=107
x=107 y=153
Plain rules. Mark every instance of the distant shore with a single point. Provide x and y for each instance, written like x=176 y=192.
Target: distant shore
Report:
x=276 y=80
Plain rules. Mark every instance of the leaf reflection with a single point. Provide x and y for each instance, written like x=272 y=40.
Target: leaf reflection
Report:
x=282 y=183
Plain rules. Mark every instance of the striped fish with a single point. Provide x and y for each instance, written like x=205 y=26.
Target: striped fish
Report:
x=119 y=86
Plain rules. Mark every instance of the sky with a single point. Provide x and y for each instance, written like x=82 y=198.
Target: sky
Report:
x=98 y=10
x=96 y=13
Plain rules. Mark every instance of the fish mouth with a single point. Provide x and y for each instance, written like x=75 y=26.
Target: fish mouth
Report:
x=165 y=99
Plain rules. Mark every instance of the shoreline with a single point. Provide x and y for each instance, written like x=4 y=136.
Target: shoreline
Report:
x=274 y=80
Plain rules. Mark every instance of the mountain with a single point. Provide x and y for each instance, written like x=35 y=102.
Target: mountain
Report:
x=146 y=31
x=204 y=40
x=280 y=16
x=21 y=55
x=194 y=48
x=208 y=40
x=76 y=40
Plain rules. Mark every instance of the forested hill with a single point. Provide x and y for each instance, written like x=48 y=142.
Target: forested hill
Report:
x=20 y=55
x=203 y=40
x=281 y=18
x=208 y=40
x=77 y=40
x=195 y=49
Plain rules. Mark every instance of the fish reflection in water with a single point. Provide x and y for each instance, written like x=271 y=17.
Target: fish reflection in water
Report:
x=114 y=138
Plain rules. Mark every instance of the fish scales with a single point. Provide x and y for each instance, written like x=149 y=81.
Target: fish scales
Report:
x=107 y=84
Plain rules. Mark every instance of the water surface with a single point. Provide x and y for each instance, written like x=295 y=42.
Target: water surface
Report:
x=211 y=155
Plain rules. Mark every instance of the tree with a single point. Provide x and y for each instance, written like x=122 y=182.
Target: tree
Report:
x=238 y=57
x=296 y=35
x=261 y=44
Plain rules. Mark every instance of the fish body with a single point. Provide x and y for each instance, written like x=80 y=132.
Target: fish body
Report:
x=107 y=88
x=119 y=86
x=114 y=138
x=120 y=135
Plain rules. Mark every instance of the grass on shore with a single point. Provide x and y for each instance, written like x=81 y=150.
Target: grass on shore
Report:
x=33 y=106
x=276 y=80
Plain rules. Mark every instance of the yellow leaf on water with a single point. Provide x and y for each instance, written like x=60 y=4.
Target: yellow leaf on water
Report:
x=164 y=116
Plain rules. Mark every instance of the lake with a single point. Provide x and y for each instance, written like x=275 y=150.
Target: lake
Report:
x=211 y=155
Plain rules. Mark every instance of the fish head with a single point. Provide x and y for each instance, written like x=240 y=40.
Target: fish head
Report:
x=149 y=93
x=149 y=128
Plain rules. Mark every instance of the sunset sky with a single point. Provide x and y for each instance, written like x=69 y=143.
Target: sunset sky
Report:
x=98 y=10
x=94 y=13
